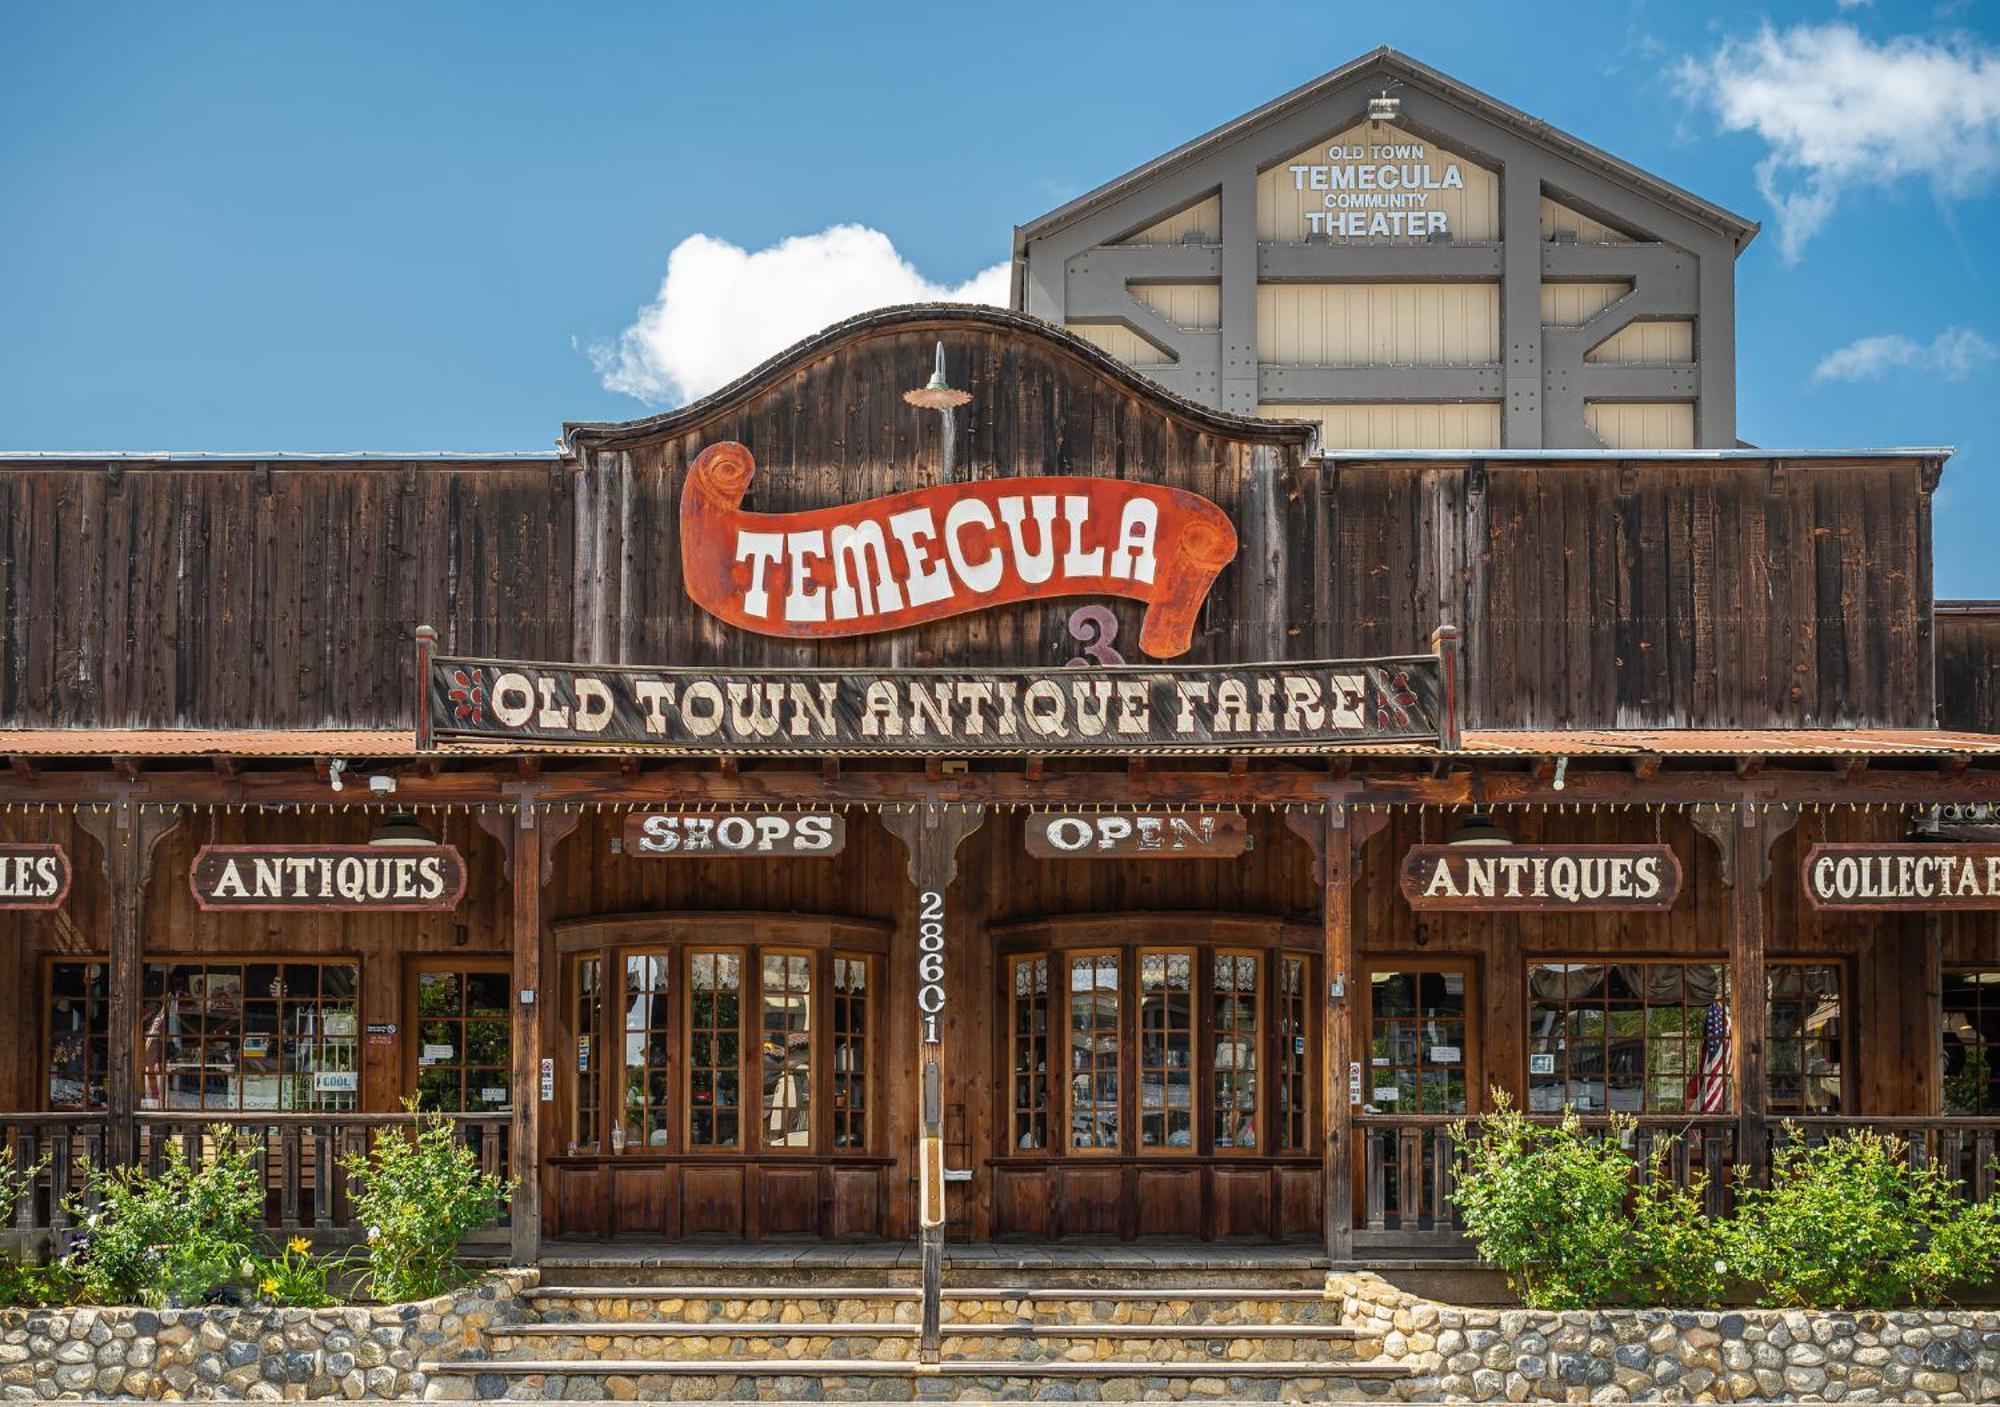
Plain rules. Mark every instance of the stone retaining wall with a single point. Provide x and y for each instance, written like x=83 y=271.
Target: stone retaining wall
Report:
x=1656 y=1355
x=268 y=1355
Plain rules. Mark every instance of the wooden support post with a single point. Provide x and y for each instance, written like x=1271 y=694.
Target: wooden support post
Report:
x=127 y=834
x=528 y=837
x=931 y=834
x=1337 y=835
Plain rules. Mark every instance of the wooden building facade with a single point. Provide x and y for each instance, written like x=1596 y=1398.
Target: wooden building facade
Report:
x=826 y=875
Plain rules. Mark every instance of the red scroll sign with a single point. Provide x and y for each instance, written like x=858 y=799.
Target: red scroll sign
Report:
x=887 y=563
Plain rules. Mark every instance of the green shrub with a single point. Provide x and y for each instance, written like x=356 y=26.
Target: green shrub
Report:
x=176 y=1237
x=1850 y=1224
x=38 y=1286
x=1681 y=1253
x=1546 y=1203
x=419 y=1192
x=295 y=1276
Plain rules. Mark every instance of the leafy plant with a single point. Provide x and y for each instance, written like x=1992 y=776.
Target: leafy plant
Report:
x=1849 y=1223
x=36 y=1286
x=1546 y=1203
x=17 y=1182
x=175 y=1237
x=292 y=1277
x=420 y=1192
x=1681 y=1251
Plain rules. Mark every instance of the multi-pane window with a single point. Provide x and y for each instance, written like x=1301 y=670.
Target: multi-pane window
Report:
x=1803 y=1038
x=79 y=1034
x=1417 y=1042
x=589 y=1011
x=1294 y=1071
x=1971 y=1038
x=850 y=1052
x=1093 y=1051
x=1028 y=1053
x=249 y=1036
x=644 y=1018
x=785 y=999
x=464 y=1046
x=1166 y=1050
x=1234 y=1002
x=1634 y=1037
x=715 y=989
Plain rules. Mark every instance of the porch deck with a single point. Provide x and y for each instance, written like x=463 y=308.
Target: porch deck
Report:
x=974 y=1257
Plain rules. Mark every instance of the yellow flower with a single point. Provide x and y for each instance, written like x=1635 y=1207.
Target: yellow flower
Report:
x=298 y=1245
x=270 y=1285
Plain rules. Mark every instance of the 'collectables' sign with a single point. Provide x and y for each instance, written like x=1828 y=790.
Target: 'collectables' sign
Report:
x=923 y=555
x=378 y=877
x=1136 y=835
x=1902 y=876
x=755 y=833
x=1291 y=707
x=33 y=875
x=1541 y=877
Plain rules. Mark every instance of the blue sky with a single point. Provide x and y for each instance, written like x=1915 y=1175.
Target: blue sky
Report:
x=360 y=226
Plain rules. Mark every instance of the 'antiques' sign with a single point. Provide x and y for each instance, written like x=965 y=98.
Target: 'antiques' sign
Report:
x=1300 y=707
x=1136 y=835
x=866 y=568
x=33 y=875
x=740 y=833
x=1541 y=877
x=1904 y=876
x=387 y=878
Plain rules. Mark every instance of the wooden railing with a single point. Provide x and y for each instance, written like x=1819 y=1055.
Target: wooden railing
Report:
x=298 y=1155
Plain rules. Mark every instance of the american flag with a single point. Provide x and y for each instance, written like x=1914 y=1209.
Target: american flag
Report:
x=1708 y=1090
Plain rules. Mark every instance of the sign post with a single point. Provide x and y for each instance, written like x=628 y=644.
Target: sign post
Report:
x=931 y=834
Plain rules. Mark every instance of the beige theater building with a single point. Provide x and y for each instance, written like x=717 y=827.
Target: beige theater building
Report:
x=1100 y=785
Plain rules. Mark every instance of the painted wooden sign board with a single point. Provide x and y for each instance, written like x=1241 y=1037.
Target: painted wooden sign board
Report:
x=1912 y=877
x=930 y=553
x=329 y=878
x=1541 y=878
x=1302 y=707
x=1142 y=835
x=740 y=833
x=33 y=875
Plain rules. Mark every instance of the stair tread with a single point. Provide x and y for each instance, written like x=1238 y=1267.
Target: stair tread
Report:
x=897 y=1292
x=640 y=1328
x=879 y=1367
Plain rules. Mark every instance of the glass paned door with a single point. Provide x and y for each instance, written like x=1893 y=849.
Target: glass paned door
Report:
x=1419 y=1067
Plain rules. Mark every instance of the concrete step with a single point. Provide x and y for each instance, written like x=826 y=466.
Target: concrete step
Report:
x=797 y=1307
x=1017 y=1342
x=850 y=1379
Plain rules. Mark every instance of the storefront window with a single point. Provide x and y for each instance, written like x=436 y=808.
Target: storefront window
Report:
x=714 y=1011
x=1166 y=1050
x=250 y=1036
x=850 y=1052
x=646 y=1101
x=1093 y=1052
x=589 y=1011
x=1971 y=1038
x=464 y=1044
x=1803 y=1039
x=79 y=1034
x=1294 y=1072
x=1029 y=1053
x=1417 y=1042
x=1631 y=1037
x=785 y=995
x=1234 y=1006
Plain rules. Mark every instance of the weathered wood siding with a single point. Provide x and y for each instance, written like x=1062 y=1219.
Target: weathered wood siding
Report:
x=1968 y=667
x=1661 y=594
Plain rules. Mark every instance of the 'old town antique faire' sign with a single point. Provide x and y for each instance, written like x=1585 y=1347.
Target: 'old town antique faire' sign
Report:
x=385 y=878
x=1139 y=835
x=1541 y=877
x=1298 y=707
x=866 y=568
x=33 y=875
x=1914 y=876
x=754 y=833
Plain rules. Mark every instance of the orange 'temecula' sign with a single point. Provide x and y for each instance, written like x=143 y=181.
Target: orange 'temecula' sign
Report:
x=880 y=565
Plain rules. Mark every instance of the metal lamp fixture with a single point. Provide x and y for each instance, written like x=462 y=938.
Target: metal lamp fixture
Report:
x=401 y=828
x=1478 y=829
x=937 y=393
x=1384 y=108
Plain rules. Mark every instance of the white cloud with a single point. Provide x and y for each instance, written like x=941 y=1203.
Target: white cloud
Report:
x=722 y=310
x=1953 y=354
x=1840 y=112
x=1853 y=4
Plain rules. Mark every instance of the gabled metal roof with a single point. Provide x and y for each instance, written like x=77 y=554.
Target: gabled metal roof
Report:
x=1401 y=67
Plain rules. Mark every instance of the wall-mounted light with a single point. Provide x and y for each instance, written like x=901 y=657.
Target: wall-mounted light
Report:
x=1384 y=108
x=401 y=828
x=1478 y=829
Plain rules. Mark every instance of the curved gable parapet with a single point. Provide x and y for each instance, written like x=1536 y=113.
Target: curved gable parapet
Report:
x=942 y=320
